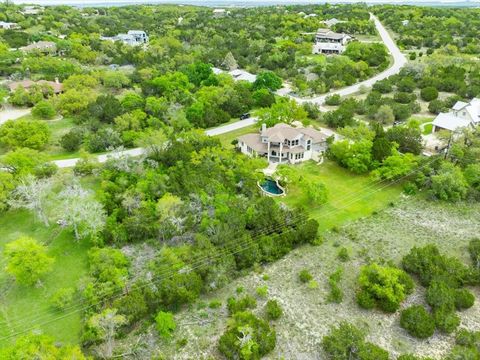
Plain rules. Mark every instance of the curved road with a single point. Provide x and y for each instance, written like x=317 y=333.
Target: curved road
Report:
x=399 y=60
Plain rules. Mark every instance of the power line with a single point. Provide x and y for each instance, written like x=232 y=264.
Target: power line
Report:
x=248 y=244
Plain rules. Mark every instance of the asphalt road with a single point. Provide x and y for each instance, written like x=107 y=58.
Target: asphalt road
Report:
x=399 y=60
x=140 y=151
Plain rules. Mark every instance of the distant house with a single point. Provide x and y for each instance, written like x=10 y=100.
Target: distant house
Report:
x=283 y=143
x=56 y=86
x=237 y=74
x=8 y=25
x=462 y=115
x=44 y=47
x=218 y=13
x=405 y=22
x=330 y=42
x=333 y=21
x=32 y=10
x=132 y=38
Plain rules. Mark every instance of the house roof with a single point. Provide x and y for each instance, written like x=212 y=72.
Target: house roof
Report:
x=332 y=21
x=254 y=141
x=317 y=136
x=450 y=122
x=279 y=133
x=239 y=74
x=329 y=34
x=26 y=84
x=459 y=105
x=473 y=109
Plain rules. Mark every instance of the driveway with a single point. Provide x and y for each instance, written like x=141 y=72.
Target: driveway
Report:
x=231 y=127
x=399 y=60
x=10 y=113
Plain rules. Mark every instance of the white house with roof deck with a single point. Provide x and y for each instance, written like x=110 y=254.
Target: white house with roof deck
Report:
x=220 y=13
x=32 y=10
x=330 y=42
x=132 y=38
x=462 y=115
x=283 y=143
x=8 y=25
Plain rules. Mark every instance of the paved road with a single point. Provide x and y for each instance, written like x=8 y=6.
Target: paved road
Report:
x=399 y=60
x=10 y=113
x=231 y=127
x=66 y=163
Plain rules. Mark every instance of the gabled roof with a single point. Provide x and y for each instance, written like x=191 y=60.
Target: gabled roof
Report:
x=473 y=109
x=329 y=34
x=280 y=132
x=459 y=105
x=450 y=122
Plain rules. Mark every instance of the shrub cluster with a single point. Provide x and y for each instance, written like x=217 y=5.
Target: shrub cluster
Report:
x=444 y=277
x=383 y=287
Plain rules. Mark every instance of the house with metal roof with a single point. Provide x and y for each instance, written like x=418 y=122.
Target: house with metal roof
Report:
x=283 y=143
x=462 y=115
x=331 y=22
x=330 y=42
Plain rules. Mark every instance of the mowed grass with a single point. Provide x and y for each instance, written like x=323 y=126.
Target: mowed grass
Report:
x=350 y=196
x=28 y=308
x=227 y=138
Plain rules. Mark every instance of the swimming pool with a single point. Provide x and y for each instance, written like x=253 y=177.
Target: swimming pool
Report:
x=272 y=188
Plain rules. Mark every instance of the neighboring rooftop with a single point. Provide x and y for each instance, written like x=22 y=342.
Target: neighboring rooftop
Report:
x=239 y=74
x=27 y=84
x=329 y=34
x=450 y=122
x=332 y=21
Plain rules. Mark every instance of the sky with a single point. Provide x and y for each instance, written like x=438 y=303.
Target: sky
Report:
x=226 y=2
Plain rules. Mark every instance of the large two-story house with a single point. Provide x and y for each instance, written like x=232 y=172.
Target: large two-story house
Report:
x=283 y=143
x=330 y=42
x=462 y=115
x=132 y=38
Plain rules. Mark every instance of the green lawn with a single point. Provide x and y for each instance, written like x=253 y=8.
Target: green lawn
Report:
x=28 y=308
x=59 y=128
x=24 y=307
x=427 y=129
x=226 y=139
x=350 y=196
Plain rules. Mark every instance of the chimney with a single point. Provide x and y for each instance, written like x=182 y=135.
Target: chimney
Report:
x=56 y=81
x=264 y=128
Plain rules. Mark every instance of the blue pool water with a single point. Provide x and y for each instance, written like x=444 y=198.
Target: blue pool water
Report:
x=271 y=187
